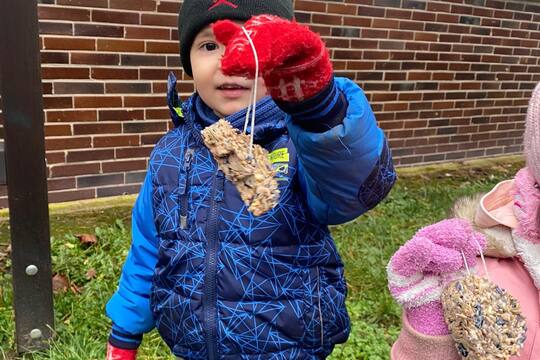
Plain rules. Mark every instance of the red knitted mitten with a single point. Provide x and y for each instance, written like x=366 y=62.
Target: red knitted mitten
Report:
x=293 y=60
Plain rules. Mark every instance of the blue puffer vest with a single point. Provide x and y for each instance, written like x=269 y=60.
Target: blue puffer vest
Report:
x=229 y=285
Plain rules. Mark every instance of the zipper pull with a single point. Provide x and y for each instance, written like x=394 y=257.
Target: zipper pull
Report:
x=188 y=159
x=183 y=222
x=220 y=183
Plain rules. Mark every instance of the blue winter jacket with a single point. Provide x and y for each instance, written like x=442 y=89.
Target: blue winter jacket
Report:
x=220 y=283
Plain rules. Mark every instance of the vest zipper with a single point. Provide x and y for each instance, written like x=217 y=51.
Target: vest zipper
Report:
x=184 y=191
x=212 y=244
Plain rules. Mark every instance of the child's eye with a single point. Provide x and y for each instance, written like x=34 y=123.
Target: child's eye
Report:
x=209 y=46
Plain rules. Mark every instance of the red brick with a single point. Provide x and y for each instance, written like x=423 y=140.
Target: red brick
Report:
x=327 y=19
x=148 y=33
x=447 y=18
x=345 y=9
x=357 y=21
x=121 y=115
x=120 y=45
x=98 y=101
x=60 y=184
x=116 y=140
x=57 y=130
x=99 y=30
x=168 y=6
x=95 y=59
x=71 y=195
x=423 y=16
x=129 y=88
x=370 y=11
x=115 y=73
x=96 y=128
x=153 y=114
x=75 y=169
x=159 y=20
x=84 y=3
x=144 y=101
x=150 y=139
x=162 y=47
x=64 y=73
x=89 y=155
x=57 y=43
x=78 y=87
x=133 y=152
x=48 y=57
x=399 y=14
x=111 y=17
x=123 y=165
x=57 y=102
x=140 y=5
x=144 y=127
x=55 y=157
x=55 y=28
x=71 y=115
x=310 y=6
x=68 y=143
x=437 y=7
x=63 y=13
x=385 y=23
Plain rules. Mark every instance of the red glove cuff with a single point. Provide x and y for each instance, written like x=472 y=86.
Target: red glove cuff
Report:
x=114 y=353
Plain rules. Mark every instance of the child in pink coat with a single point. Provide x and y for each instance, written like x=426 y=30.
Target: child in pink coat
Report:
x=505 y=225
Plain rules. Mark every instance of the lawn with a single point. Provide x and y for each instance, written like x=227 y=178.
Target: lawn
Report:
x=421 y=196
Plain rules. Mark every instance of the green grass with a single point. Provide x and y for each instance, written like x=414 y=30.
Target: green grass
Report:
x=366 y=245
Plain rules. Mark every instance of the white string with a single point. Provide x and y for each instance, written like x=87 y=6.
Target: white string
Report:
x=483 y=259
x=253 y=101
x=465 y=262
x=248 y=112
x=481 y=256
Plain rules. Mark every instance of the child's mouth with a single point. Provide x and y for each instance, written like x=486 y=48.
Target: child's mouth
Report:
x=232 y=90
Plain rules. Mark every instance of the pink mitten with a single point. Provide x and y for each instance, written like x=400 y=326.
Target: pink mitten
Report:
x=114 y=353
x=420 y=269
x=293 y=60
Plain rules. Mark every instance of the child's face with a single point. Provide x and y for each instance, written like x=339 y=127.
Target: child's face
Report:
x=223 y=94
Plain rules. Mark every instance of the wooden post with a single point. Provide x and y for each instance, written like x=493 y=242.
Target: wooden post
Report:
x=2 y=164
x=21 y=92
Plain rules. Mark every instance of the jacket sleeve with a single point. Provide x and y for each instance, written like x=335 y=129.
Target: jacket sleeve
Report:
x=412 y=345
x=129 y=307
x=347 y=168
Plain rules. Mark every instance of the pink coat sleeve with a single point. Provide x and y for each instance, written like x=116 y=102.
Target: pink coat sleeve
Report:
x=412 y=345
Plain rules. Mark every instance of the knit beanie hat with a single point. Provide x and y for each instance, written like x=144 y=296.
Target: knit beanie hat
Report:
x=532 y=134
x=196 y=14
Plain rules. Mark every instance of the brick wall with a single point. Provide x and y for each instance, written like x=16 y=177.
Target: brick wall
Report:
x=448 y=80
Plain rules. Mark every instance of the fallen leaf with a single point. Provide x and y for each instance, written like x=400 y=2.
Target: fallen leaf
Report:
x=60 y=284
x=87 y=239
x=90 y=274
x=75 y=289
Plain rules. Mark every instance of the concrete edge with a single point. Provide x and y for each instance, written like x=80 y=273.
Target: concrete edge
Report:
x=453 y=166
x=84 y=205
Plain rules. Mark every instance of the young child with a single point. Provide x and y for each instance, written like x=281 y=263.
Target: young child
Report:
x=217 y=281
x=505 y=223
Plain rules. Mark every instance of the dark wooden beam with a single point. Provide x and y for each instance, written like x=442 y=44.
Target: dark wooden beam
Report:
x=2 y=164
x=26 y=173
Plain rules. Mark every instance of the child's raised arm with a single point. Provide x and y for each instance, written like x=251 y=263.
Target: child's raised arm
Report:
x=345 y=163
